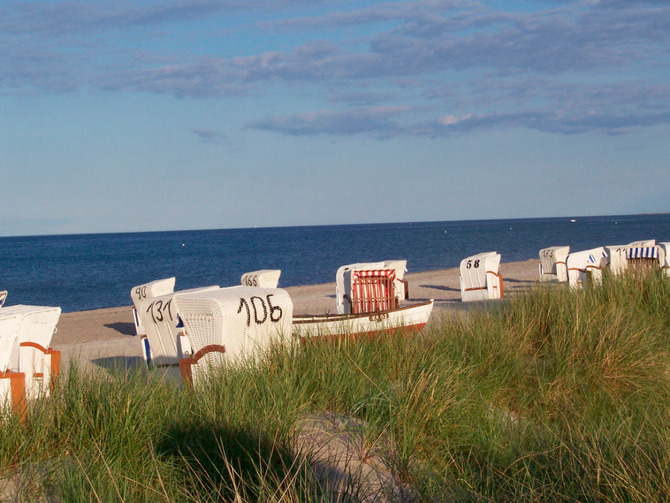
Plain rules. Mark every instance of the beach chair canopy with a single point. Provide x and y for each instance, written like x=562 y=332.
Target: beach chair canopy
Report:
x=265 y=278
x=233 y=324
x=584 y=263
x=160 y=319
x=553 y=266
x=9 y=341
x=339 y=280
x=480 y=277
x=369 y=290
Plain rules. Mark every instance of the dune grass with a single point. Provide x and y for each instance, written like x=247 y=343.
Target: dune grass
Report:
x=551 y=395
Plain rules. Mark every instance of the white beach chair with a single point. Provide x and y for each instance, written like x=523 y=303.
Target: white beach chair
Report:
x=39 y=363
x=553 y=266
x=617 y=263
x=3 y=297
x=231 y=325
x=665 y=258
x=480 y=277
x=147 y=291
x=265 y=278
x=369 y=290
x=12 y=382
x=644 y=256
x=586 y=264
x=164 y=343
x=401 y=286
x=339 y=280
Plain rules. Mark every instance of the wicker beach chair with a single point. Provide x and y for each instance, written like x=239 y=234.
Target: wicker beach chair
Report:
x=480 y=277
x=644 y=258
x=12 y=382
x=553 y=266
x=586 y=267
x=147 y=291
x=369 y=290
x=163 y=342
x=232 y=325
x=36 y=360
x=664 y=259
x=339 y=280
x=617 y=263
x=3 y=297
x=264 y=278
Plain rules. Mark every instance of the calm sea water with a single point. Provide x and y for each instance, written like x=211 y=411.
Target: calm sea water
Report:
x=81 y=272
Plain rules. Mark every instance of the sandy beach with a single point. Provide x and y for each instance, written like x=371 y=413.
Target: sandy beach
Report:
x=106 y=338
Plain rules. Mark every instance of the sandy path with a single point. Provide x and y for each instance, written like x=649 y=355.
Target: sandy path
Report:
x=106 y=337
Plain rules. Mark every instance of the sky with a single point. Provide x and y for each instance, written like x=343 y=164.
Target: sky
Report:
x=124 y=116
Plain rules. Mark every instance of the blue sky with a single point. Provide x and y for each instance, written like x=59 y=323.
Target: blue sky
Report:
x=146 y=115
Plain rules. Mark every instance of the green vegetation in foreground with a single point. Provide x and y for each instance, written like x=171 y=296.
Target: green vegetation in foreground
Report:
x=551 y=396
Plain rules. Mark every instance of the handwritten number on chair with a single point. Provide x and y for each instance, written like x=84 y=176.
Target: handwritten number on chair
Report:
x=141 y=292
x=260 y=308
x=159 y=309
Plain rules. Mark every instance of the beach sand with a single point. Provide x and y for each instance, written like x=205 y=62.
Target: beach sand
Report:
x=105 y=338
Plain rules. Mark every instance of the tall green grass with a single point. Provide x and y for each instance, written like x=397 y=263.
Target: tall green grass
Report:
x=552 y=395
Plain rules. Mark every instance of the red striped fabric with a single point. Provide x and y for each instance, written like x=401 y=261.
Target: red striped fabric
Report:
x=373 y=290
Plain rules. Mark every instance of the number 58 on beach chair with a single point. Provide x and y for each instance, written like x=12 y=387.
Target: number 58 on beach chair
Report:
x=480 y=279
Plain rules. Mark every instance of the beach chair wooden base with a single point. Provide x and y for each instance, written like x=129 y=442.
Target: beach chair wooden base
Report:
x=188 y=365
x=13 y=392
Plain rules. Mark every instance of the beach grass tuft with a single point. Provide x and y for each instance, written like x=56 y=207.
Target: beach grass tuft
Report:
x=550 y=395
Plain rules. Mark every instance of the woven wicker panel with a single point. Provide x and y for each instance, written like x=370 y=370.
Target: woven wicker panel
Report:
x=159 y=316
x=9 y=337
x=242 y=319
x=37 y=323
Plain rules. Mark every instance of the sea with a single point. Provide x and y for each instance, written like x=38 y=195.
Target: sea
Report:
x=90 y=271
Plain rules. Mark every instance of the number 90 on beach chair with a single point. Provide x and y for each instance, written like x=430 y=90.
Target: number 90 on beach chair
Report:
x=480 y=279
